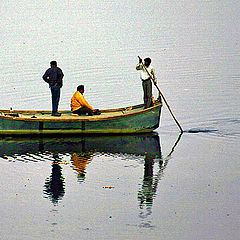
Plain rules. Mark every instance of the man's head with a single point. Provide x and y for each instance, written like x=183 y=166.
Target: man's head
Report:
x=80 y=88
x=53 y=63
x=147 y=61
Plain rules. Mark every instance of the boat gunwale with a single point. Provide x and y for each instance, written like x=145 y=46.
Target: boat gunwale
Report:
x=75 y=132
x=77 y=118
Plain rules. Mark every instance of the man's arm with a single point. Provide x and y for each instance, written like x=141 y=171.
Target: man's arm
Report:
x=139 y=66
x=60 y=74
x=84 y=102
x=153 y=75
x=46 y=76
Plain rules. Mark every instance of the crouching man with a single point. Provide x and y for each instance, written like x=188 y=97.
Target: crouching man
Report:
x=79 y=104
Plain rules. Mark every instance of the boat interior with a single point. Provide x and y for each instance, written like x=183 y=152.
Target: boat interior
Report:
x=68 y=115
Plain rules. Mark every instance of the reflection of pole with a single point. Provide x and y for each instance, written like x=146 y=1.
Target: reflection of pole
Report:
x=163 y=164
x=150 y=181
x=178 y=139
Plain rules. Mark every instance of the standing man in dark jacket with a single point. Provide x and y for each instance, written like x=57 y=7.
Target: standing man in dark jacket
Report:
x=53 y=76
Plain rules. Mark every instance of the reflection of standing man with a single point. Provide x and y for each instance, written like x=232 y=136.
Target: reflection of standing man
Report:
x=54 y=185
x=146 y=80
x=53 y=76
x=147 y=192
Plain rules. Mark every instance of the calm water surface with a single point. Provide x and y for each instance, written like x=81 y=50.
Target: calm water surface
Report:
x=133 y=187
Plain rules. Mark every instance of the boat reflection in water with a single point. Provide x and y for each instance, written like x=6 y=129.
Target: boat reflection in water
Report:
x=81 y=151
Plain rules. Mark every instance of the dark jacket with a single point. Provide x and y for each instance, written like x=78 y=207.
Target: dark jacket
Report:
x=53 y=76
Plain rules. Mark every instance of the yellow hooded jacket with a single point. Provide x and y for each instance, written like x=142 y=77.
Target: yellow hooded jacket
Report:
x=79 y=101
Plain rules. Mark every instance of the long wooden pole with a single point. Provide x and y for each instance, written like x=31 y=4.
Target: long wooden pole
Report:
x=154 y=82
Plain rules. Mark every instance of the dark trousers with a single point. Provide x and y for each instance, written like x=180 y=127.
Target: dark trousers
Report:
x=55 y=90
x=83 y=110
x=147 y=93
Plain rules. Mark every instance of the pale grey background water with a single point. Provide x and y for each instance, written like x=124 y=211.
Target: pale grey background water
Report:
x=194 y=46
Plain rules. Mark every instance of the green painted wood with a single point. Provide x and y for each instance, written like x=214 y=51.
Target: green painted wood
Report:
x=142 y=121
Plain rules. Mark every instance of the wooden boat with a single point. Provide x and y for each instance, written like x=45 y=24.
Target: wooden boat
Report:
x=134 y=119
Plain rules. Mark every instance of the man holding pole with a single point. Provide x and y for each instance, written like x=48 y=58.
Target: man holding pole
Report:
x=150 y=72
x=146 y=75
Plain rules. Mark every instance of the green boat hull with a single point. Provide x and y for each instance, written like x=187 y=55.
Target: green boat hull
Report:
x=131 y=122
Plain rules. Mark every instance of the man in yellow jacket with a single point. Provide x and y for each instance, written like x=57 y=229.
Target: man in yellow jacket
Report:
x=79 y=104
